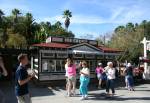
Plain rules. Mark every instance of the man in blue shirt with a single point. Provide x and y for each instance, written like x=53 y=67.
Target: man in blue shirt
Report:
x=22 y=79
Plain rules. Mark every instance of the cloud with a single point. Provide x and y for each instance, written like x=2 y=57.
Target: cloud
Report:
x=78 y=19
x=120 y=12
x=86 y=34
x=120 y=16
x=125 y=15
x=7 y=6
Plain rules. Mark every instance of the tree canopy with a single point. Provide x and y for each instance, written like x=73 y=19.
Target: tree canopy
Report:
x=128 y=38
x=24 y=26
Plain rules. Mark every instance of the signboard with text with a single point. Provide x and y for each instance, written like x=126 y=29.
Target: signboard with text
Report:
x=70 y=40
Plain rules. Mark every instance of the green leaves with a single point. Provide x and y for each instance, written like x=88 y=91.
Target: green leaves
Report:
x=20 y=31
x=67 y=15
x=16 y=41
x=127 y=38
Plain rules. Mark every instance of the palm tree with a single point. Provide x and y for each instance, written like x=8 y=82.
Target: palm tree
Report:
x=67 y=15
x=29 y=21
x=16 y=12
x=5 y=25
x=58 y=24
x=48 y=24
x=1 y=14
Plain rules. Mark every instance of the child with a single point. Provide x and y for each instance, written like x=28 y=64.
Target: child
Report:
x=99 y=71
x=84 y=80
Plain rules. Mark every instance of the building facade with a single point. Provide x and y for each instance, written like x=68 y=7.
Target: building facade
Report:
x=48 y=59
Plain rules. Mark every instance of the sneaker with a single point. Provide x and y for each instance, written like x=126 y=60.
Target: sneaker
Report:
x=69 y=95
x=66 y=94
x=99 y=87
x=73 y=93
x=86 y=96
x=82 y=98
x=112 y=94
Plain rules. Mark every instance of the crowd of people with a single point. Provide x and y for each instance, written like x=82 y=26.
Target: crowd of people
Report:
x=107 y=74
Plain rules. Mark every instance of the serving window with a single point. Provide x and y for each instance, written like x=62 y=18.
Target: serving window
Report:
x=53 y=65
x=60 y=65
x=92 y=65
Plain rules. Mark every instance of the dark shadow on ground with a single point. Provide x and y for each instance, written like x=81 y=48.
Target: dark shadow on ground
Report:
x=39 y=91
x=103 y=96
x=8 y=91
x=119 y=84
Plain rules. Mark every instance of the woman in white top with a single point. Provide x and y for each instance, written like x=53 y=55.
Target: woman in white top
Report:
x=66 y=76
x=84 y=80
x=110 y=72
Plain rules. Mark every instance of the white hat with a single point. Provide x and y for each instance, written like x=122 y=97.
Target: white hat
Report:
x=129 y=65
x=109 y=63
x=99 y=64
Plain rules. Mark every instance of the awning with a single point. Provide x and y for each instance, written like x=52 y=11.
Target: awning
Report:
x=85 y=52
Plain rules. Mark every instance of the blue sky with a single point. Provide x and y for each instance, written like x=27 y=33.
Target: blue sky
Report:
x=92 y=17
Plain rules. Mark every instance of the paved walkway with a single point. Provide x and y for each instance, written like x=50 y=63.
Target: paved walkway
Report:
x=57 y=95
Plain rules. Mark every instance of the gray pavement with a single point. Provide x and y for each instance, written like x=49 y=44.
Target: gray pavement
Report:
x=47 y=94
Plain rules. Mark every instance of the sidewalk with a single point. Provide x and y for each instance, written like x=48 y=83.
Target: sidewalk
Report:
x=140 y=95
x=58 y=95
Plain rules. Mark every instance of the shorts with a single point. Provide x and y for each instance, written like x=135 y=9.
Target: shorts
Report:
x=66 y=79
x=71 y=79
x=99 y=76
x=24 y=99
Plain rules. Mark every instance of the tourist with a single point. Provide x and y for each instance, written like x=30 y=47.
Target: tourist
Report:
x=22 y=79
x=71 y=75
x=99 y=72
x=4 y=73
x=66 y=76
x=129 y=77
x=110 y=83
x=125 y=77
x=84 y=80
